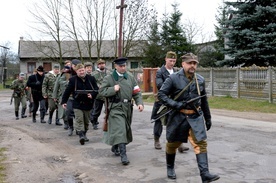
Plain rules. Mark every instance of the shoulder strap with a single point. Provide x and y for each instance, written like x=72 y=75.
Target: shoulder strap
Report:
x=182 y=91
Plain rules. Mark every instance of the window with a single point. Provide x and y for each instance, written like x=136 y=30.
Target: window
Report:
x=134 y=65
x=31 y=67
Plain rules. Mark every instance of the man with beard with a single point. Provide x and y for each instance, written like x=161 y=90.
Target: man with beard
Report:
x=187 y=120
x=83 y=102
x=35 y=83
x=99 y=74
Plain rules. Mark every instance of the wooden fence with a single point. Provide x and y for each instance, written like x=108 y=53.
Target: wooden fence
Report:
x=258 y=83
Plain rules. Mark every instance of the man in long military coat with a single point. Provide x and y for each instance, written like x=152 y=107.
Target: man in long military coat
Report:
x=119 y=88
x=187 y=120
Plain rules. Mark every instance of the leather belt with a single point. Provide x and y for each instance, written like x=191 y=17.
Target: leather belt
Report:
x=189 y=111
x=123 y=100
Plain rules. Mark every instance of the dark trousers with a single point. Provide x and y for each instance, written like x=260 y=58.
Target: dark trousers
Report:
x=70 y=112
x=96 y=111
x=39 y=103
x=157 y=128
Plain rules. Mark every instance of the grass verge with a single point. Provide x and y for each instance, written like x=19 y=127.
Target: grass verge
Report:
x=235 y=104
x=2 y=167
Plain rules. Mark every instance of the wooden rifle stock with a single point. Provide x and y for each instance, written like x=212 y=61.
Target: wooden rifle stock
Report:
x=105 y=124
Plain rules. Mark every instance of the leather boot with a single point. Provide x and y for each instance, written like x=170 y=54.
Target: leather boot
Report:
x=50 y=117
x=202 y=162
x=82 y=139
x=115 y=150
x=71 y=126
x=23 y=113
x=66 y=126
x=123 y=155
x=182 y=148
x=16 y=115
x=42 y=115
x=57 y=119
x=170 y=158
x=85 y=138
x=157 y=144
x=34 y=115
x=70 y=130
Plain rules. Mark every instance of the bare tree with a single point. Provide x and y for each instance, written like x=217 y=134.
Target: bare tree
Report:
x=135 y=24
x=48 y=15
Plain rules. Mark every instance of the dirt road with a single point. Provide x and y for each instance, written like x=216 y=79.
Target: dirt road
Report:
x=44 y=153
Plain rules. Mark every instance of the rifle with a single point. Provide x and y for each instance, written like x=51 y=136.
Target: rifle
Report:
x=12 y=98
x=188 y=103
x=83 y=92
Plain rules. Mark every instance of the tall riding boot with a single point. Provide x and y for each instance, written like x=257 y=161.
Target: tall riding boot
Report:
x=34 y=115
x=57 y=119
x=170 y=158
x=84 y=135
x=50 y=117
x=202 y=162
x=82 y=139
x=123 y=155
x=23 y=113
x=115 y=150
x=71 y=127
x=157 y=144
x=42 y=115
x=16 y=115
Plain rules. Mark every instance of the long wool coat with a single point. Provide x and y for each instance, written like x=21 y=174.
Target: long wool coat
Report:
x=120 y=113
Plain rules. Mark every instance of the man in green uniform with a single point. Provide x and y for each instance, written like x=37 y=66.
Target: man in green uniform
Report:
x=47 y=91
x=120 y=88
x=19 y=94
x=99 y=74
x=60 y=86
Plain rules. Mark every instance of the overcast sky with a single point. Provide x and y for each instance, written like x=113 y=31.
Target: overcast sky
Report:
x=15 y=16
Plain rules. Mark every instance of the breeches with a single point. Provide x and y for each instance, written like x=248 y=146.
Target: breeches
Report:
x=199 y=146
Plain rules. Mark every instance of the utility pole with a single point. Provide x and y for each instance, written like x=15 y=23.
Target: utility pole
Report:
x=121 y=7
x=4 y=66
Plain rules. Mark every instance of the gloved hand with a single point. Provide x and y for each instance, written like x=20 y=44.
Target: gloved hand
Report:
x=208 y=124
x=37 y=83
x=180 y=105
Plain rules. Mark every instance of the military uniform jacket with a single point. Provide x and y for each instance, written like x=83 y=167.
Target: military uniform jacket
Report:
x=81 y=102
x=60 y=86
x=161 y=75
x=36 y=88
x=178 y=123
x=99 y=76
x=19 y=88
x=48 y=84
x=120 y=107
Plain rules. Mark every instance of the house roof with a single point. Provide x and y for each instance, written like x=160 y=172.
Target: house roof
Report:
x=41 y=49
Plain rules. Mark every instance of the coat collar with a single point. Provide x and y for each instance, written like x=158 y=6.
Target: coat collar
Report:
x=116 y=76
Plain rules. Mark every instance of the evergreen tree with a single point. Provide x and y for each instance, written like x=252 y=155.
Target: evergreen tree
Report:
x=251 y=33
x=173 y=35
x=154 y=56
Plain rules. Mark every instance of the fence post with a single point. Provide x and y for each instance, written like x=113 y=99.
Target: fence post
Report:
x=212 y=81
x=270 y=87
x=154 y=87
x=146 y=79
x=238 y=83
